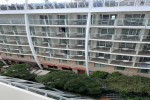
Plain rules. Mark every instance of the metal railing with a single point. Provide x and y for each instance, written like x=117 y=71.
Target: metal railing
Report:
x=41 y=89
x=58 y=21
x=17 y=21
x=77 y=4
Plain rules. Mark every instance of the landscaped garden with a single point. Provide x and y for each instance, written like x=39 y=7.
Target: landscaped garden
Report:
x=96 y=85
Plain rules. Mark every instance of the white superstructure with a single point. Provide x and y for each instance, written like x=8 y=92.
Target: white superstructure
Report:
x=82 y=35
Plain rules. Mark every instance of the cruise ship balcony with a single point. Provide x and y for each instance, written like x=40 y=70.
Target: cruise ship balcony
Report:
x=59 y=34
x=48 y=22
x=42 y=53
x=104 y=22
x=144 y=52
x=143 y=64
x=131 y=22
x=100 y=48
x=60 y=45
x=43 y=44
x=26 y=52
x=23 y=43
x=3 y=49
x=122 y=62
x=14 y=51
x=77 y=22
x=124 y=37
x=7 y=33
x=77 y=57
x=39 y=33
x=2 y=40
x=11 y=41
x=124 y=50
x=77 y=46
x=144 y=49
x=2 y=21
x=58 y=21
x=146 y=38
x=101 y=36
x=99 y=59
x=59 y=55
x=20 y=32
x=76 y=35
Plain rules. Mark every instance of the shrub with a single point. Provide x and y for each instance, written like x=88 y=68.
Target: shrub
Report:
x=21 y=71
x=115 y=74
x=1 y=64
x=56 y=79
x=99 y=74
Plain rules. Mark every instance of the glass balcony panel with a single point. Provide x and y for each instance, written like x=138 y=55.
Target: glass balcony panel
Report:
x=77 y=21
x=146 y=38
x=105 y=22
x=102 y=36
x=77 y=57
x=77 y=35
x=144 y=52
x=124 y=50
x=76 y=46
x=59 y=55
x=131 y=22
x=100 y=48
x=44 y=44
x=122 y=62
x=59 y=45
x=143 y=64
x=127 y=37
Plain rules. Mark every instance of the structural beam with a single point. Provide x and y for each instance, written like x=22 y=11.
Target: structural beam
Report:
x=29 y=36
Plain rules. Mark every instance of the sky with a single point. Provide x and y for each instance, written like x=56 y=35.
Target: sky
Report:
x=30 y=1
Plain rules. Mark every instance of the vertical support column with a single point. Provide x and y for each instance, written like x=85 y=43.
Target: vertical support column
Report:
x=29 y=37
x=30 y=41
x=87 y=42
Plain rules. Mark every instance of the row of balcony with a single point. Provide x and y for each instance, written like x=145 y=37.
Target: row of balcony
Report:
x=100 y=22
x=100 y=59
x=101 y=48
x=15 y=42
x=60 y=45
x=113 y=36
x=77 y=4
x=123 y=37
x=13 y=33
x=16 y=51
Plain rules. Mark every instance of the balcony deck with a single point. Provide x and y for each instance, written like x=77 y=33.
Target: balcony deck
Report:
x=145 y=52
x=81 y=47
x=78 y=57
x=142 y=65
x=128 y=51
x=99 y=60
x=123 y=62
x=101 y=49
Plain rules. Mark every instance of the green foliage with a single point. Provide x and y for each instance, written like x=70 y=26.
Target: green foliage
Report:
x=21 y=71
x=115 y=74
x=1 y=64
x=71 y=82
x=99 y=74
x=126 y=85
